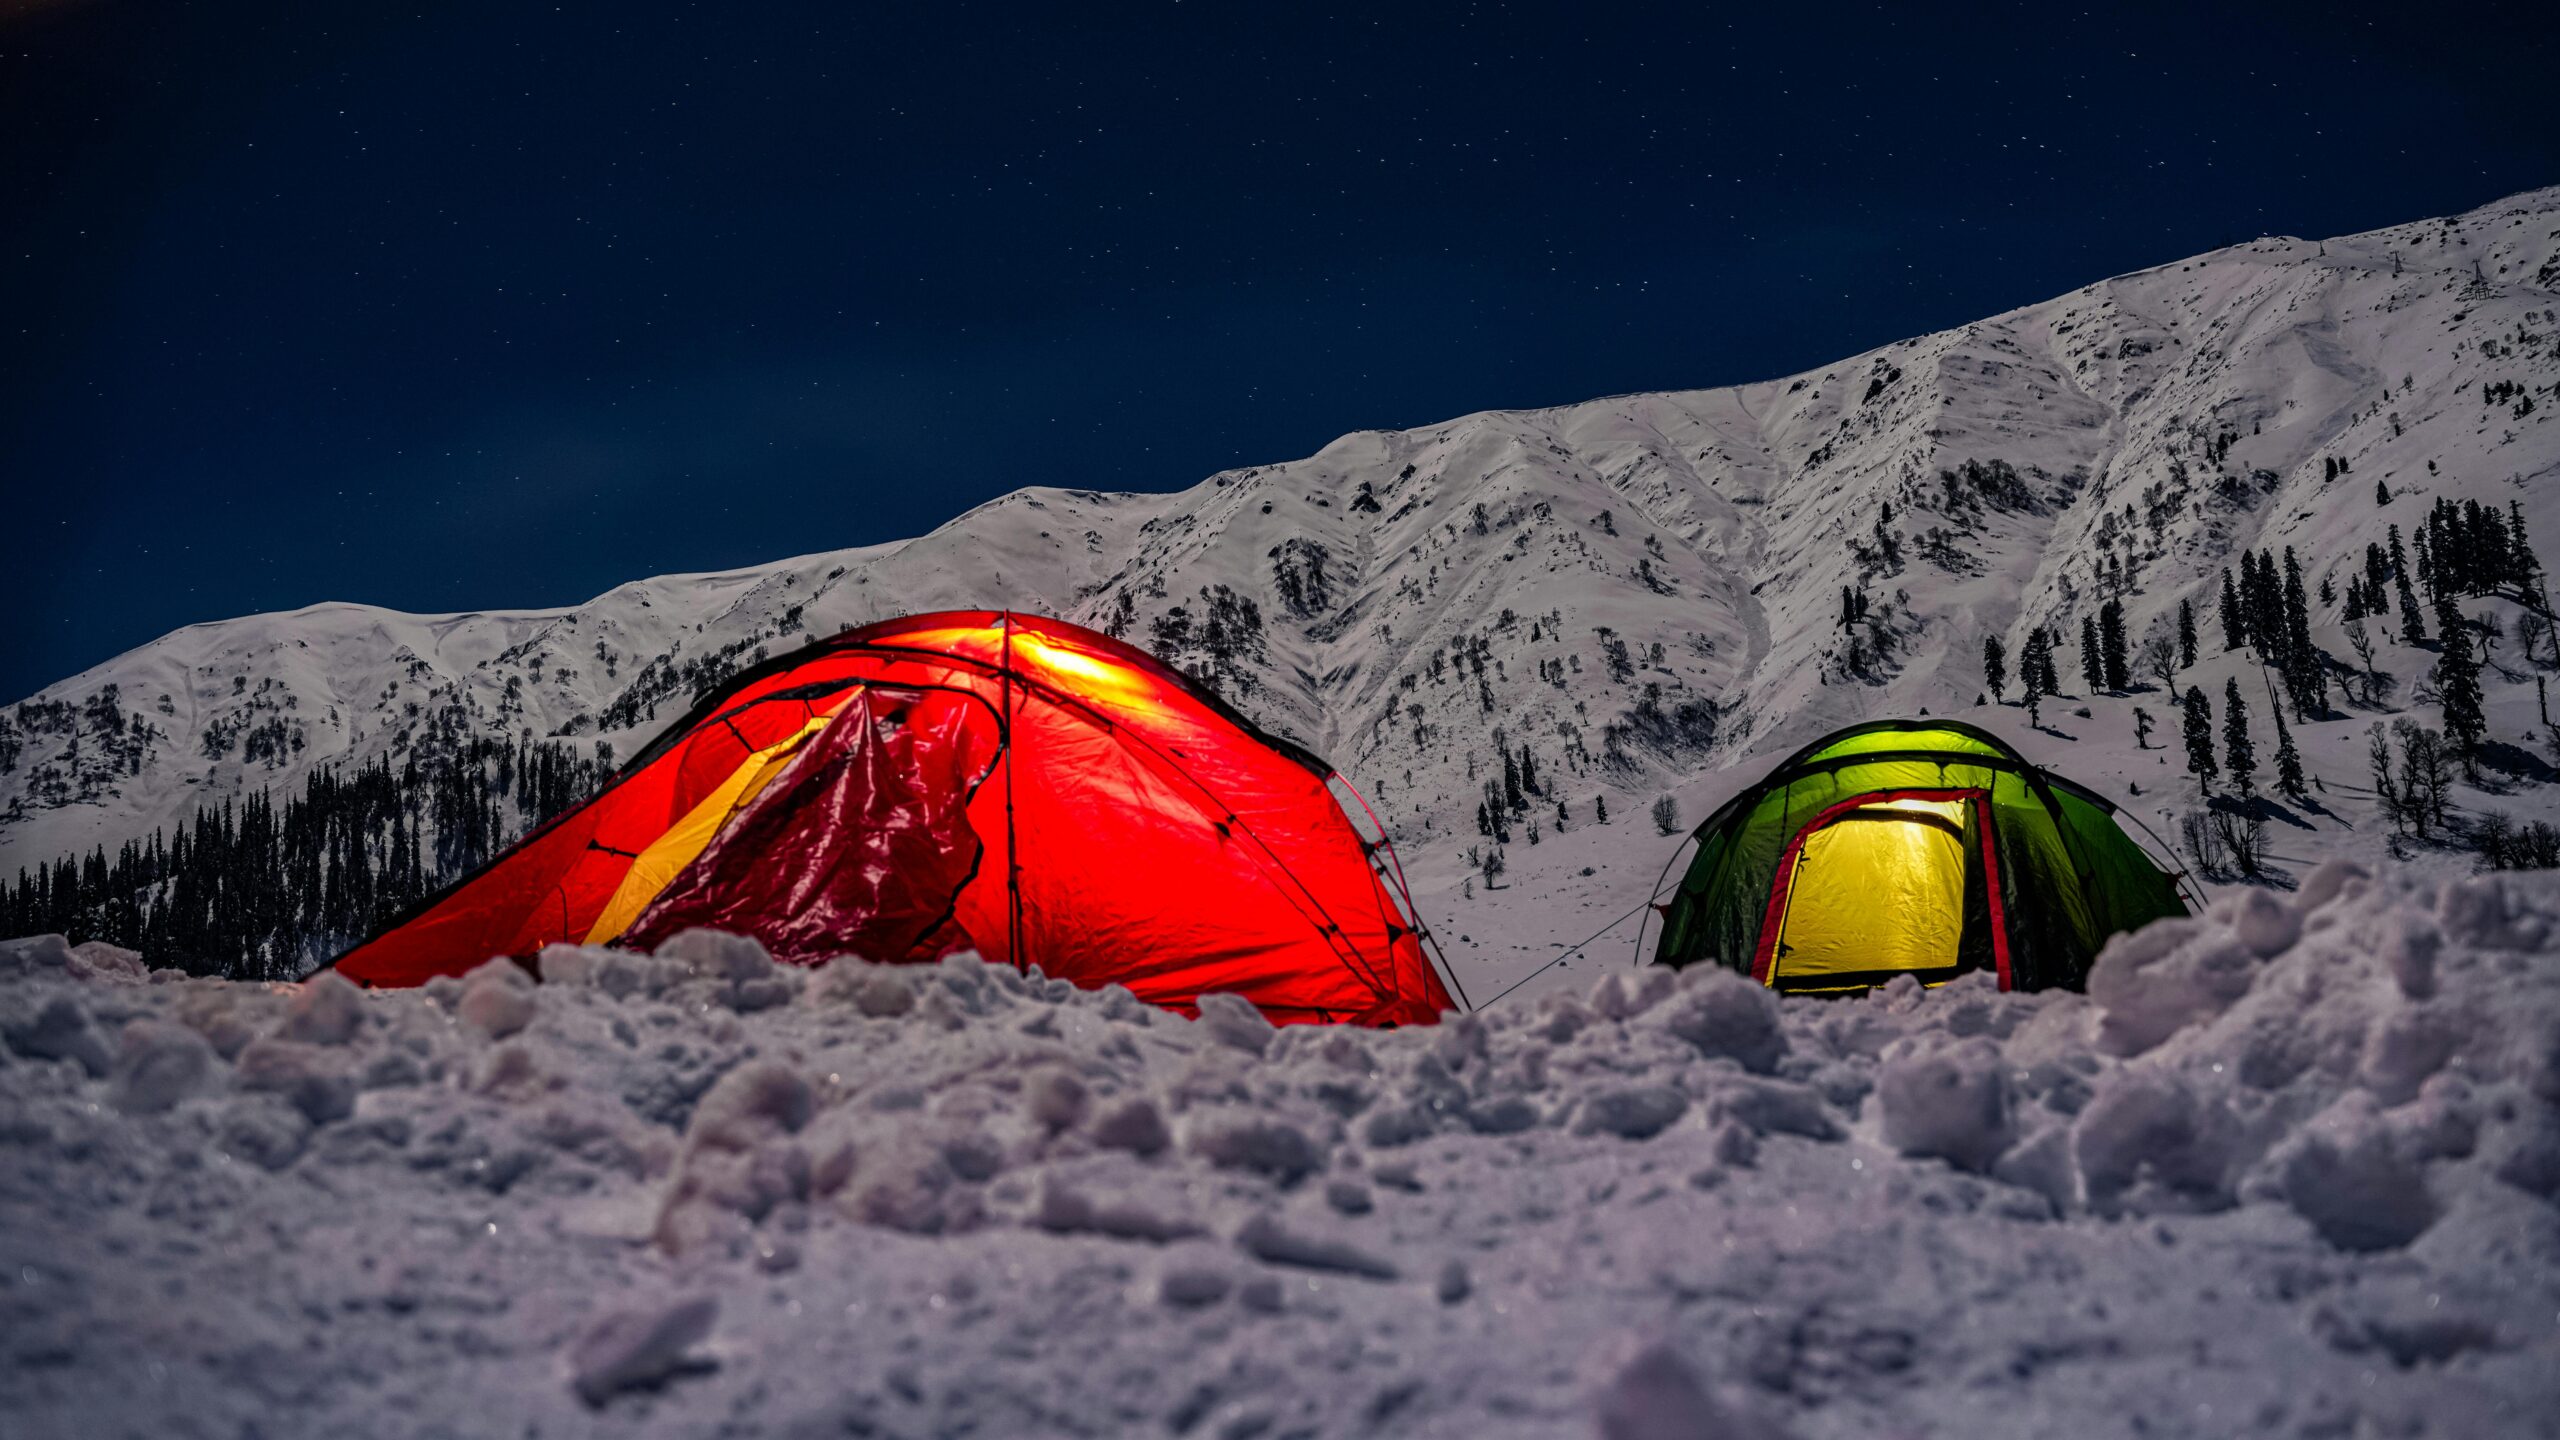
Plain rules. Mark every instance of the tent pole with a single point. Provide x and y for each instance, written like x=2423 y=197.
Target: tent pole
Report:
x=1012 y=848
x=1654 y=895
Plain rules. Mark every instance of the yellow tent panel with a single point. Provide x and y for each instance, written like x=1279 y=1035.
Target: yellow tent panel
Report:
x=676 y=849
x=1878 y=888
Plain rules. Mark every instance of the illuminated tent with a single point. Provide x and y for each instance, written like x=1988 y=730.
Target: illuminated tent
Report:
x=967 y=780
x=1923 y=847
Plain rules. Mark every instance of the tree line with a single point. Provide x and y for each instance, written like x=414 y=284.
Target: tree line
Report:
x=256 y=890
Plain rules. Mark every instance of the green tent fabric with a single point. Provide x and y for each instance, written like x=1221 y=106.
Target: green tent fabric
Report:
x=1923 y=847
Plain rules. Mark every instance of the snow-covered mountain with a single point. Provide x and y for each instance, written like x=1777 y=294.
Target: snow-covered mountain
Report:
x=1647 y=591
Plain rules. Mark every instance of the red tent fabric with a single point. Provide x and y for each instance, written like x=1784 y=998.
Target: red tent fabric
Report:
x=1017 y=785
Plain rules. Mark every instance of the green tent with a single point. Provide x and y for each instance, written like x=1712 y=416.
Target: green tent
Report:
x=1922 y=847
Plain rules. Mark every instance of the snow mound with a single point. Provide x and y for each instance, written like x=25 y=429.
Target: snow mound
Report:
x=2289 y=1167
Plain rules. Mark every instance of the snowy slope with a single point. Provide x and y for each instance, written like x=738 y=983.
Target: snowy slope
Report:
x=2156 y=423
x=2288 y=1169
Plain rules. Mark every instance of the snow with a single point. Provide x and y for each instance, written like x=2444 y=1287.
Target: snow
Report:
x=2291 y=1167
x=639 y=1346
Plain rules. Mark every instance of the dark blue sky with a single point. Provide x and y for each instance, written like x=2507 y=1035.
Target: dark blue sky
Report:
x=501 y=304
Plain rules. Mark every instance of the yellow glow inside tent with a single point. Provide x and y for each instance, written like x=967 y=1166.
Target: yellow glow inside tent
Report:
x=1879 y=888
x=1093 y=676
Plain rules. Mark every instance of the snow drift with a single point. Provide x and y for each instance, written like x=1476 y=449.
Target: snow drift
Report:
x=2289 y=1167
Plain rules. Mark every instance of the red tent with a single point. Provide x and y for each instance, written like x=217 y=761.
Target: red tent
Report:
x=969 y=779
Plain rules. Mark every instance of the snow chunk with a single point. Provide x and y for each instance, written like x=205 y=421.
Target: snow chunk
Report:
x=495 y=1007
x=906 y=1181
x=2265 y=924
x=1056 y=1099
x=1651 y=1392
x=618 y=973
x=265 y=1132
x=738 y=1161
x=1134 y=1125
x=2345 y=1176
x=1263 y=1144
x=2166 y=976
x=747 y=977
x=1952 y=1105
x=1348 y=1197
x=35 y=955
x=326 y=1010
x=2332 y=879
x=222 y=1019
x=157 y=1064
x=1621 y=996
x=1774 y=1107
x=1265 y=1238
x=2409 y=945
x=2483 y=911
x=302 y=1076
x=98 y=960
x=1725 y=1014
x=2403 y=1050
x=1234 y=1020
x=1453 y=1284
x=1632 y=1112
x=639 y=1346
x=718 y=955
x=59 y=1030
x=1065 y=1209
x=2147 y=1142
x=1188 y=1284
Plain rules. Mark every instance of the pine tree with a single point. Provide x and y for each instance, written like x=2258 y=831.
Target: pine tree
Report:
x=1600 y=809
x=2141 y=728
x=1995 y=666
x=2239 y=756
x=2303 y=679
x=2262 y=598
x=2288 y=761
x=2111 y=646
x=2458 y=682
x=2234 y=630
x=2035 y=667
x=2186 y=635
x=2196 y=722
x=2413 y=631
x=2526 y=565
x=2093 y=668
x=2381 y=493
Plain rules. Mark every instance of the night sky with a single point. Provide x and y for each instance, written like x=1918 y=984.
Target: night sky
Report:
x=502 y=304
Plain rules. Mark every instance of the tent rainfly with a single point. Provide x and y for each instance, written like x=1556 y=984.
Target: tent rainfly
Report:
x=1911 y=847
x=967 y=780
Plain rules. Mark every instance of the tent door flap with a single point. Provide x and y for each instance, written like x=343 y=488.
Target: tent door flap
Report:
x=1877 y=887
